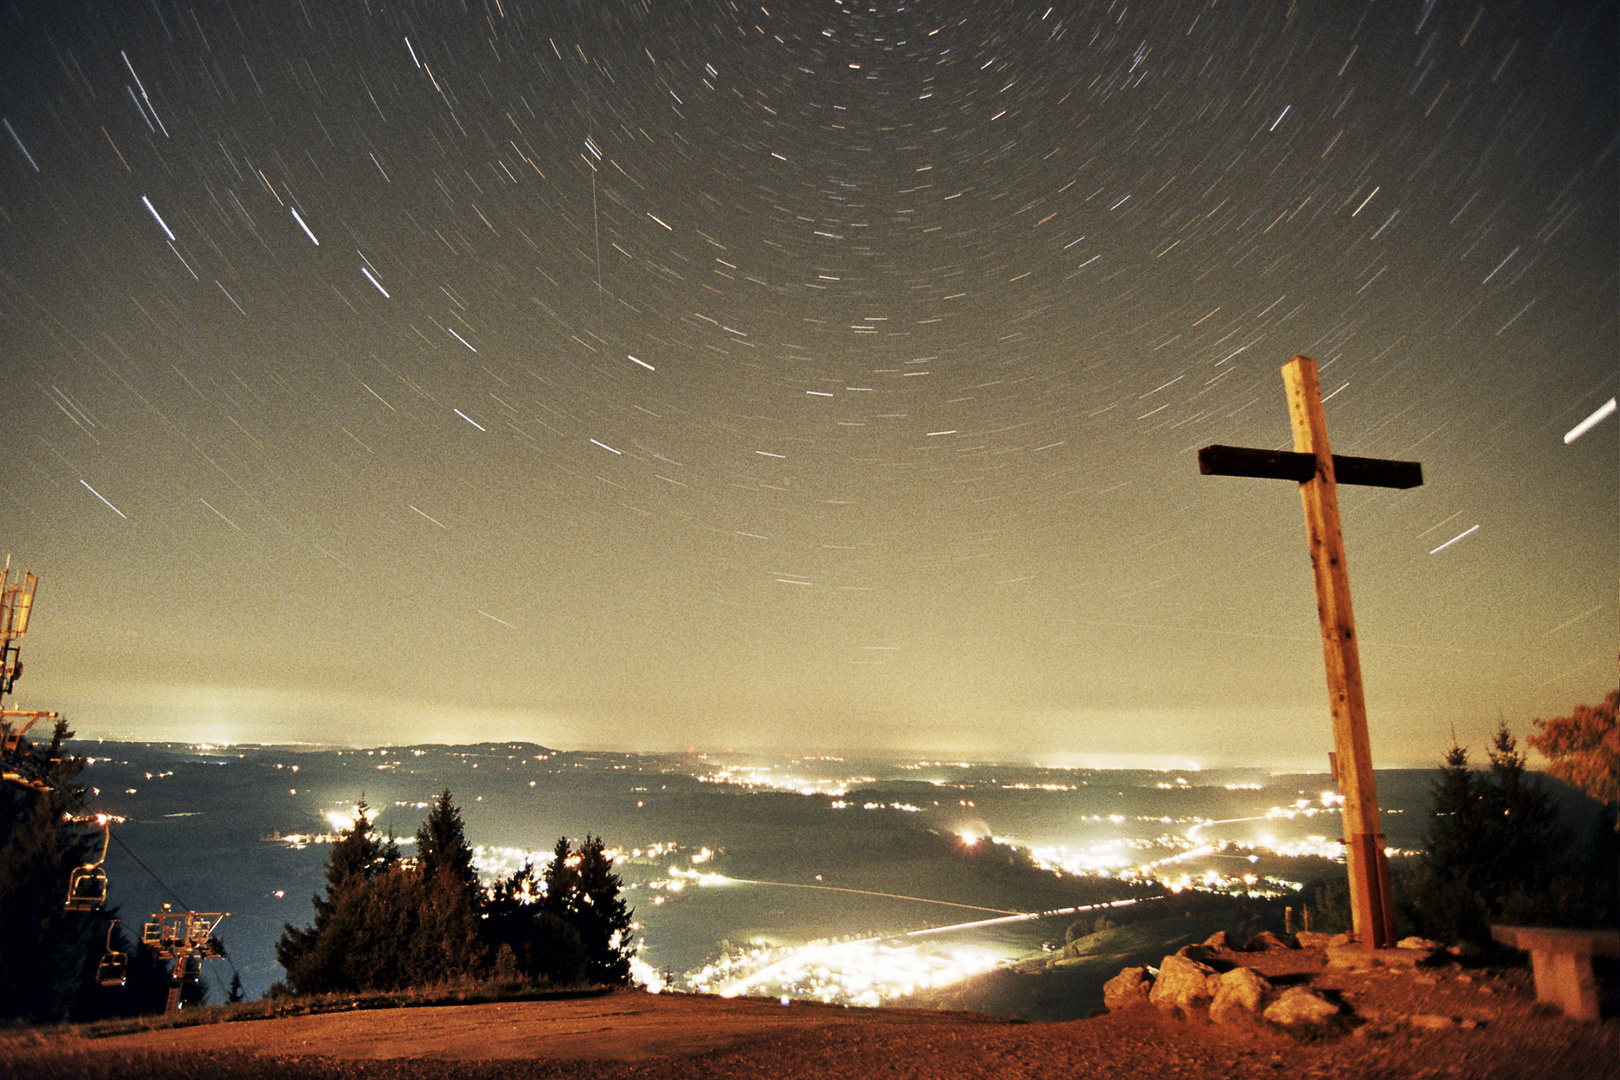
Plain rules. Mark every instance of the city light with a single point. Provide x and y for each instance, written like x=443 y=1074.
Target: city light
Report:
x=863 y=973
x=1179 y=851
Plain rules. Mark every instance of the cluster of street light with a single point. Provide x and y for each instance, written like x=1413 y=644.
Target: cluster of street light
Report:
x=1178 y=852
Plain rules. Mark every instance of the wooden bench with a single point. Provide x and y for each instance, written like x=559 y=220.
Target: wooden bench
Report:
x=1562 y=962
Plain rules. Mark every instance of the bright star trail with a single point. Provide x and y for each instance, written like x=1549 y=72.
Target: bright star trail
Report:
x=923 y=309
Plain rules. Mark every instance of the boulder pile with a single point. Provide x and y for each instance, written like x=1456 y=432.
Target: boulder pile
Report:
x=1186 y=981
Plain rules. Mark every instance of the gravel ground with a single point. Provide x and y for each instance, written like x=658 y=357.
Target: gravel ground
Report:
x=1429 y=1022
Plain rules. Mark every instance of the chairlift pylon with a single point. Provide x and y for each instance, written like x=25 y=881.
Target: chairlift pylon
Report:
x=16 y=601
x=185 y=937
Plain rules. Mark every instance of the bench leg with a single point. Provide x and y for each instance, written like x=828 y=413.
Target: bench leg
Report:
x=1566 y=980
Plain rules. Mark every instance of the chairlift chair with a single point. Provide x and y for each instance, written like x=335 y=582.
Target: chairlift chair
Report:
x=114 y=966
x=113 y=969
x=87 y=888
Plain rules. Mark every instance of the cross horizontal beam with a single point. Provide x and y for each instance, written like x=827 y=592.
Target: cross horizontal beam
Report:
x=1290 y=465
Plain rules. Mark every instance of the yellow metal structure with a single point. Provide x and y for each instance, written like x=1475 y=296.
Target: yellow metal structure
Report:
x=185 y=937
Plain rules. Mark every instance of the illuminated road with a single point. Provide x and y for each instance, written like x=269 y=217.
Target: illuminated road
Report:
x=858 y=955
x=720 y=879
x=1192 y=832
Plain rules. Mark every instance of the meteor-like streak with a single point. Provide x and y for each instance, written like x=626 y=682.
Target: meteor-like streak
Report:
x=1590 y=422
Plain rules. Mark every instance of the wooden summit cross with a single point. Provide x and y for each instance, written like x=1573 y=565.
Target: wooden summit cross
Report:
x=1319 y=471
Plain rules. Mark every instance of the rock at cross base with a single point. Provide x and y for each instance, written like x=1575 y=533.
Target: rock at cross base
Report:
x=1237 y=993
x=1220 y=939
x=1265 y=941
x=1198 y=954
x=1300 y=1006
x=1182 y=983
x=1129 y=987
x=1311 y=939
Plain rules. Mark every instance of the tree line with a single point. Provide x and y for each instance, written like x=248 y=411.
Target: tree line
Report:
x=385 y=922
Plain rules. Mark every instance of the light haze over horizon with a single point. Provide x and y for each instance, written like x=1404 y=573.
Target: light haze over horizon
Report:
x=817 y=378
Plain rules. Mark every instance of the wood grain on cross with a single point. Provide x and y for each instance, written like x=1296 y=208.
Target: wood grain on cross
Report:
x=1319 y=472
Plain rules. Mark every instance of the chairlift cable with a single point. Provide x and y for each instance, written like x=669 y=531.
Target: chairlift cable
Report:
x=152 y=874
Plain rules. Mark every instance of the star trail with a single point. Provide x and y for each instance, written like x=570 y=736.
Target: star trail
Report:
x=706 y=374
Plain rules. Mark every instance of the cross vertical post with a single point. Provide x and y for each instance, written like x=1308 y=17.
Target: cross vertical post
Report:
x=1318 y=471
x=1370 y=903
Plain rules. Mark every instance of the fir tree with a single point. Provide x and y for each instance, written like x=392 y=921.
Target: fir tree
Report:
x=1446 y=898
x=47 y=954
x=1530 y=847
x=583 y=891
x=441 y=845
x=446 y=944
x=1495 y=851
x=537 y=942
x=384 y=924
x=367 y=945
x=312 y=955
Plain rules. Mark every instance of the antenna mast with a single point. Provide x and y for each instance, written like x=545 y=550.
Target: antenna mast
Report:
x=16 y=604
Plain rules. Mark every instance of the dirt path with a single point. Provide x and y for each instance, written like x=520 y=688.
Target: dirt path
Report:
x=1431 y=1023
x=621 y=1027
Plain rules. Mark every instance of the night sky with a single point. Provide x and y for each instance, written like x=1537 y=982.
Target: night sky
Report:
x=806 y=376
